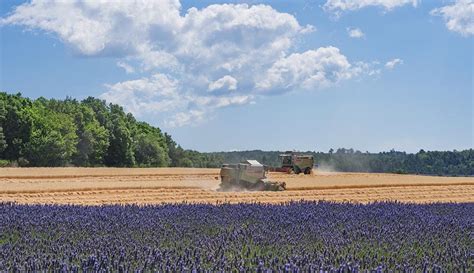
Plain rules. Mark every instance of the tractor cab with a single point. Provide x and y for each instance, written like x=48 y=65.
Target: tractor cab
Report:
x=286 y=160
x=296 y=163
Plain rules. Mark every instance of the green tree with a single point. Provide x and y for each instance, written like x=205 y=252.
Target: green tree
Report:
x=3 y=113
x=93 y=138
x=53 y=139
x=16 y=125
x=175 y=152
x=119 y=152
x=149 y=152
x=92 y=145
x=186 y=162
x=3 y=142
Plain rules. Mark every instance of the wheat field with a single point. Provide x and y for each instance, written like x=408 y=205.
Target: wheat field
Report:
x=95 y=186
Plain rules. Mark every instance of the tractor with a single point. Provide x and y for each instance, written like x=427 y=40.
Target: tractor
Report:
x=296 y=163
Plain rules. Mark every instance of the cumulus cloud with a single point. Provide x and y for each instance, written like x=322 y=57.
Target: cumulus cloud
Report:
x=189 y=63
x=355 y=33
x=312 y=69
x=157 y=93
x=185 y=118
x=229 y=82
x=220 y=102
x=339 y=6
x=200 y=108
x=459 y=16
x=99 y=27
x=160 y=93
x=392 y=63
x=128 y=68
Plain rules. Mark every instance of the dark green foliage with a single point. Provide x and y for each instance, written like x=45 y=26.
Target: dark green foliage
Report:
x=16 y=125
x=452 y=163
x=66 y=132
x=119 y=153
x=3 y=143
x=4 y=163
x=188 y=158
x=3 y=113
x=149 y=146
x=269 y=158
x=53 y=137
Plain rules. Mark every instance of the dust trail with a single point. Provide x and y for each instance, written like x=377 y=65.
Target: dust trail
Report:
x=325 y=168
x=233 y=188
x=214 y=186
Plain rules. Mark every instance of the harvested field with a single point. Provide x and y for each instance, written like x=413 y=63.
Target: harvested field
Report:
x=94 y=186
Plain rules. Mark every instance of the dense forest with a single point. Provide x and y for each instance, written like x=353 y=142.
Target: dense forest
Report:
x=49 y=132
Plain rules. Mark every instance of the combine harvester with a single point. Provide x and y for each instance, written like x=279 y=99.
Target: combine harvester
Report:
x=250 y=175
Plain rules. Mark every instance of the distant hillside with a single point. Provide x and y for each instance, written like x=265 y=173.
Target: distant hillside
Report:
x=49 y=132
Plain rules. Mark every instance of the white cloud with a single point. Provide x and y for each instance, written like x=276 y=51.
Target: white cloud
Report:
x=161 y=94
x=392 y=63
x=189 y=63
x=219 y=102
x=364 y=68
x=128 y=68
x=459 y=16
x=339 y=6
x=100 y=27
x=313 y=69
x=198 y=107
x=156 y=59
x=355 y=33
x=229 y=82
x=158 y=93
x=186 y=118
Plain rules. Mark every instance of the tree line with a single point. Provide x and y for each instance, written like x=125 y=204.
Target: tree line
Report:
x=92 y=133
x=449 y=163
x=89 y=133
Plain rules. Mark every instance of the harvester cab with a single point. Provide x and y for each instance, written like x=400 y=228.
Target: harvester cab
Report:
x=248 y=175
x=296 y=163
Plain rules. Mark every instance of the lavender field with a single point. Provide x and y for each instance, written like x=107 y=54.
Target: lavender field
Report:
x=293 y=237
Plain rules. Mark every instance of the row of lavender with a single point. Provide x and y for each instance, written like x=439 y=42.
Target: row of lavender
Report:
x=294 y=237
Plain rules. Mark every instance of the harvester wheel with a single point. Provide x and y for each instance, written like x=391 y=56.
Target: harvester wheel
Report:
x=297 y=170
x=307 y=170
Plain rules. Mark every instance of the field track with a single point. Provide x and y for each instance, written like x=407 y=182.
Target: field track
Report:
x=94 y=186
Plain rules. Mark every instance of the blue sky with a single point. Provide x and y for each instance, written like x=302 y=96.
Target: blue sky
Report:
x=221 y=75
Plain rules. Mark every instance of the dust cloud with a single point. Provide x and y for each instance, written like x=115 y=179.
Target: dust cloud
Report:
x=325 y=168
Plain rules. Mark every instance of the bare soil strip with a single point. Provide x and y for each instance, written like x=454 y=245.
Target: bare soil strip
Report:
x=91 y=186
